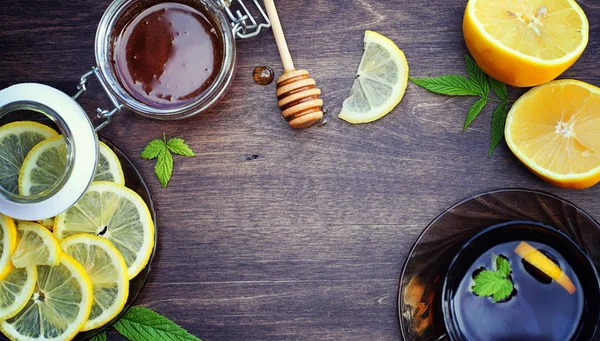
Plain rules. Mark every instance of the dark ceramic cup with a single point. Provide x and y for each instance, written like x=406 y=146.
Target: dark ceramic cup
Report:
x=518 y=231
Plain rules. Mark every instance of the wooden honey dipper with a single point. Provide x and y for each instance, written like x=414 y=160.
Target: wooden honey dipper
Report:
x=298 y=97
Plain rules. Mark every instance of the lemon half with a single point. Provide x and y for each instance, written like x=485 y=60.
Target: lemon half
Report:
x=526 y=42
x=553 y=130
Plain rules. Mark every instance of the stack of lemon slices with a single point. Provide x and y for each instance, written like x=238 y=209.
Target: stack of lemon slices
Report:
x=70 y=273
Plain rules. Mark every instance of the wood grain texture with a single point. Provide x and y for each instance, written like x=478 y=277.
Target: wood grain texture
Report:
x=276 y=234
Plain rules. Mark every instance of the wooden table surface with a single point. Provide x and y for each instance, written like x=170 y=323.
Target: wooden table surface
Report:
x=275 y=234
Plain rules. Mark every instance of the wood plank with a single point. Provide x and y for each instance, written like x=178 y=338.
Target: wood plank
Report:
x=275 y=234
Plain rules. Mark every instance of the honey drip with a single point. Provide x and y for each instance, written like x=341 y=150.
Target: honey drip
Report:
x=263 y=75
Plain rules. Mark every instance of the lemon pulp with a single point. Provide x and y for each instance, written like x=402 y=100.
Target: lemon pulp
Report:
x=8 y=243
x=58 y=307
x=116 y=213
x=544 y=29
x=45 y=165
x=15 y=290
x=16 y=140
x=553 y=130
x=36 y=246
x=380 y=82
x=107 y=272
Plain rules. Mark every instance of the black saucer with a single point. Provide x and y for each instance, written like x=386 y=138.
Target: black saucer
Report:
x=419 y=307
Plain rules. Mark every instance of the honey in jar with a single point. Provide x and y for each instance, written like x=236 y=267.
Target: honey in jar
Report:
x=168 y=55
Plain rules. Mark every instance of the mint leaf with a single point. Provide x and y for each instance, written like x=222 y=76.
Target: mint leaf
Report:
x=478 y=84
x=164 y=167
x=477 y=75
x=162 y=150
x=494 y=283
x=143 y=324
x=474 y=111
x=178 y=146
x=502 y=266
x=99 y=337
x=505 y=288
x=152 y=150
x=499 y=89
x=497 y=129
x=451 y=85
x=487 y=283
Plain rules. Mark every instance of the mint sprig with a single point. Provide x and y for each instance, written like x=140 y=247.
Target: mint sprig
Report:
x=99 y=337
x=496 y=284
x=477 y=84
x=161 y=150
x=142 y=324
x=497 y=126
x=499 y=89
x=474 y=111
x=451 y=85
x=178 y=146
x=502 y=266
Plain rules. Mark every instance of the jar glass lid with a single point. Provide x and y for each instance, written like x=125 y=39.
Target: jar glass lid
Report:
x=45 y=170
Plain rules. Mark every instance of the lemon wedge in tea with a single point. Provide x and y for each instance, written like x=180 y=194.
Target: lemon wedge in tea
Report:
x=539 y=260
x=46 y=163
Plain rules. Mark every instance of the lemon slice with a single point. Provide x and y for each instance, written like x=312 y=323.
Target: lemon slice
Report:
x=108 y=167
x=16 y=140
x=36 y=246
x=59 y=306
x=107 y=272
x=8 y=243
x=116 y=213
x=45 y=165
x=15 y=290
x=47 y=223
x=380 y=82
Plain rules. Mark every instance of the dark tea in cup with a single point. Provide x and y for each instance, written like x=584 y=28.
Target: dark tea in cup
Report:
x=521 y=281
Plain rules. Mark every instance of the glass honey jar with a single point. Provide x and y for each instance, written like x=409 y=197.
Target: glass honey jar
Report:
x=164 y=60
